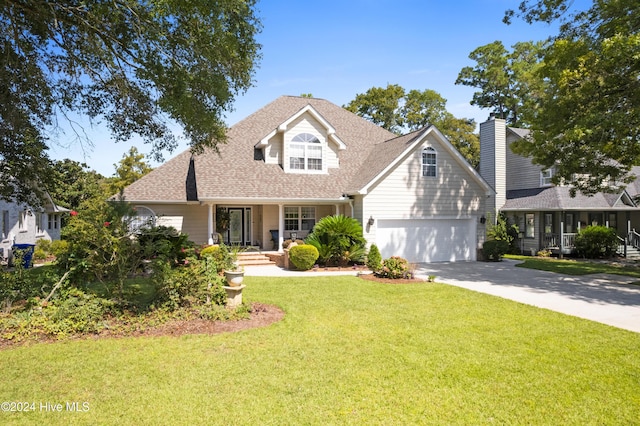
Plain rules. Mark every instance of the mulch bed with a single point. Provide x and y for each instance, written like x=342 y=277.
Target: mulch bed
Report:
x=261 y=315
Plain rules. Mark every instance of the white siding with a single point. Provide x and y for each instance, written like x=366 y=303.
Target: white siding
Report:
x=453 y=193
x=405 y=194
x=273 y=151
x=190 y=219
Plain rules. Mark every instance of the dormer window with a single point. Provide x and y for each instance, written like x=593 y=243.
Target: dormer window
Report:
x=305 y=153
x=429 y=162
x=546 y=177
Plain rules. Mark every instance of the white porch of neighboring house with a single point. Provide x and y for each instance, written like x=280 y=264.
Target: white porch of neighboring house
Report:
x=556 y=231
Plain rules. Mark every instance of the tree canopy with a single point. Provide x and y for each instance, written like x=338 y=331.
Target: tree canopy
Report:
x=399 y=111
x=133 y=64
x=72 y=183
x=507 y=80
x=586 y=122
x=129 y=169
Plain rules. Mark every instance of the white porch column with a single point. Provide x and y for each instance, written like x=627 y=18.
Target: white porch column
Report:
x=210 y=223
x=280 y=227
x=337 y=209
x=561 y=254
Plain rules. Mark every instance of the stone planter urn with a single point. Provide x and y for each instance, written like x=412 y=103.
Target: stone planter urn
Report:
x=234 y=278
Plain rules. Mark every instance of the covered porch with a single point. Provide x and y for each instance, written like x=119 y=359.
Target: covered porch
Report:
x=556 y=231
x=266 y=226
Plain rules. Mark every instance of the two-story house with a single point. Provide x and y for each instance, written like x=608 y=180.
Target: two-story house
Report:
x=297 y=160
x=546 y=214
x=22 y=224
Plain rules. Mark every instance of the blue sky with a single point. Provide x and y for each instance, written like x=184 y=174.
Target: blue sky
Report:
x=335 y=49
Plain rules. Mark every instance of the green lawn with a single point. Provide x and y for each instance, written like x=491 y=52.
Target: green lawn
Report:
x=349 y=351
x=574 y=267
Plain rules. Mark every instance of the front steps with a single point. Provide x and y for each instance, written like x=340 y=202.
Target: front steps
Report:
x=253 y=258
x=633 y=253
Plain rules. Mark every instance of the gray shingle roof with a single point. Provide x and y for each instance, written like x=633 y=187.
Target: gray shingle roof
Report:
x=235 y=173
x=559 y=198
x=379 y=158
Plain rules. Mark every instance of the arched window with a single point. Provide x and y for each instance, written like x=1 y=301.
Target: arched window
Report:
x=305 y=152
x=429 y=162
x=144 y=218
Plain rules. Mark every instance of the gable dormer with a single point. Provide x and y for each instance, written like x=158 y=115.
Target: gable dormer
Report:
x=304 y=143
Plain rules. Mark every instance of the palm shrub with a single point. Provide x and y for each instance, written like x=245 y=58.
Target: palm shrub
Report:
x=338 y=239
x=374 y=258
x=303 y=256
x=596 y=241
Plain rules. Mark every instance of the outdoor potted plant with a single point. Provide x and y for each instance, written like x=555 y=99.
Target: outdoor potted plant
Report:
x=234 y=274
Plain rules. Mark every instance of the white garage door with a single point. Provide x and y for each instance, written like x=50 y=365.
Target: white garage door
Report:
x=427 y=240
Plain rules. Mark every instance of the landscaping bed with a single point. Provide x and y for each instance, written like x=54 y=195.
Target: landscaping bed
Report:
x=261 y=315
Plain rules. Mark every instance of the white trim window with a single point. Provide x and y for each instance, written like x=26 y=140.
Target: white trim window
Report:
x=530 y=225
x=299 y=218
x=5 y=224
x=144 y=218
x=22 y=221
x=39 y=228
x=53 y=221
x=429 y=162
x=546 y=177
x=305 y=153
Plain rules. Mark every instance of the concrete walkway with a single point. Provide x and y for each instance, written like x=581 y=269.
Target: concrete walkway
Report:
x=602 y=298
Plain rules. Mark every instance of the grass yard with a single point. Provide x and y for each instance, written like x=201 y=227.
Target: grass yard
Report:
x=349 y=351
x=575 y=267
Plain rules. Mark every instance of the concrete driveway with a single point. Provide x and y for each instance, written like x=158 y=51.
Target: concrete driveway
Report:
x=600 y=297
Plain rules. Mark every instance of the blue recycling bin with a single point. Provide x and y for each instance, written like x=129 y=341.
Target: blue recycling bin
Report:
x=27 y=253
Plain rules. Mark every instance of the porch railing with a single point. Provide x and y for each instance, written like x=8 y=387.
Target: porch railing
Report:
x=552 y=241
x=634 y=239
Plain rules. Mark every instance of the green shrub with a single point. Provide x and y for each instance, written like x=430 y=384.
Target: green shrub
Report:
x=596 y=241
x=494 y=250
x=503 y=230
x=59 y=246
x=395 y=267
x=164 y=242
x=219 y=255
x=303 y=256
x=187 y=285
x=42 y=249
x=338 y=239
x=374 y=258
x=74 y=312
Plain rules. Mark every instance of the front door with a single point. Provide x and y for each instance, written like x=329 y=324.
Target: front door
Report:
x=240 y=226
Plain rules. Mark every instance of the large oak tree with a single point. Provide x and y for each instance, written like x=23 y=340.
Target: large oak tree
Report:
x=586 y=123
x=397 y=110
x=506 y=80
x=134 y=64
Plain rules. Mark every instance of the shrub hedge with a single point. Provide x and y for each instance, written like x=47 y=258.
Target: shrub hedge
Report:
x=303 y=256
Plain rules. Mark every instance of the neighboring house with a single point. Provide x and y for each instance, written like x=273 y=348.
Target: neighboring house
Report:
x=297 y=160
x=21 y=224
x=546 y=214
